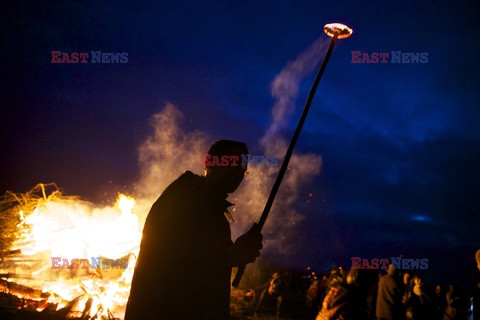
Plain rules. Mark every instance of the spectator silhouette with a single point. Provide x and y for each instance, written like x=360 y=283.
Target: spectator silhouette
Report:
x=456 y=307
x=270 y=301
x=439 y=302
x=314 y=296
x=418 y=304
x=349 y=299
x=389 y=297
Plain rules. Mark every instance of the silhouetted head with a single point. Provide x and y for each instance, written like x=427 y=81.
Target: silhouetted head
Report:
x=391 y=270
x=352 y=276
x=417 y=279
x=362 y=278
x=223 y=165
x=274 y=285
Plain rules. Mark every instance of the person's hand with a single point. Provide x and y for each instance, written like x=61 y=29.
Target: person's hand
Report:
x=247 y=247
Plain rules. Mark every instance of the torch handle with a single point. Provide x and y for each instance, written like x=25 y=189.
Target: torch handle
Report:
x=288 y=154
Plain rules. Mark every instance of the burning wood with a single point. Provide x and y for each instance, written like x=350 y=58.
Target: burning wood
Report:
x=21 y=291
x=43 y=224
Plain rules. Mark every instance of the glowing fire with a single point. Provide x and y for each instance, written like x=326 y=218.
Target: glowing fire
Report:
x=67 y=227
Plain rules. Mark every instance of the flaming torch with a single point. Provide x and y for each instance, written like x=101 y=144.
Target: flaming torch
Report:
x=336 y=31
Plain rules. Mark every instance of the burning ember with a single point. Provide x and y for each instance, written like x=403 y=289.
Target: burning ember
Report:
x=60 y=253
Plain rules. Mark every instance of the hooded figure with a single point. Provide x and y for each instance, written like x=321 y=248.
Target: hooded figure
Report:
x=186 y=255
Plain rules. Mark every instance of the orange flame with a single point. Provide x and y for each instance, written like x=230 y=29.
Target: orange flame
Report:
x=69 y=228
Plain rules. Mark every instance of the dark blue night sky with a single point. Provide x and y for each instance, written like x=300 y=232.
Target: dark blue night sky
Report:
x=400 y=142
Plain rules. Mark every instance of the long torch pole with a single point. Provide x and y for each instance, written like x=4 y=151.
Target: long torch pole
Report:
x=288 y=154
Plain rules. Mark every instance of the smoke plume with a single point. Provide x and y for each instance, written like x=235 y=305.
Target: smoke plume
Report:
x=170 y=151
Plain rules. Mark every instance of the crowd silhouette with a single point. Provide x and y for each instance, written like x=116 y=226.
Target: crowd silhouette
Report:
x=367 y=294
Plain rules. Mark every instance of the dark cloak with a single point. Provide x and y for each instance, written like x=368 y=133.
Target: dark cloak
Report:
x=183 y=269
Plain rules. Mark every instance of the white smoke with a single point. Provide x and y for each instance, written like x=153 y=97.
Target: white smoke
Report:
x=170 y=151
x=167 y=153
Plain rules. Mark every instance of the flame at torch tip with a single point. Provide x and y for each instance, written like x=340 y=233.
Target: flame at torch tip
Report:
x=343 y=31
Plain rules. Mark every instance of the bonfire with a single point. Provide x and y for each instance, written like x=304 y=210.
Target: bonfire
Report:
x=66 y=257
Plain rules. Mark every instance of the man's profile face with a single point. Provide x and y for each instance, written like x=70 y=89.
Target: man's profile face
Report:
x=228 y=178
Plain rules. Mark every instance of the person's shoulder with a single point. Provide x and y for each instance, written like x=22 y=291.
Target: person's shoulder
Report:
x=188 y=178
x=391 y=281
x=385 y=279
x=184 y=187
x=189 y=175
x=185 y=183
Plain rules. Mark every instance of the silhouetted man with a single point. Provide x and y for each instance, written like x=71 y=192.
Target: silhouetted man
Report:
x=389 y=298
x=270 y=301
x=186 y=255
